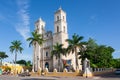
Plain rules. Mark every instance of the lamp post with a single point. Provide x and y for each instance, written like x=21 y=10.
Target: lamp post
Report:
x=86 y=72
x=43 y=58
x=37 y=62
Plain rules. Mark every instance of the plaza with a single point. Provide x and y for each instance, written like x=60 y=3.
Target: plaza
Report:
x=110 y=76
x=59 y=40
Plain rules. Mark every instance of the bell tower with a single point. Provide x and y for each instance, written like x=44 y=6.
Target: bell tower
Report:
x=37 y=56
x=60 y=24
x=60 y=28
x=40 y=26
x=60 y=33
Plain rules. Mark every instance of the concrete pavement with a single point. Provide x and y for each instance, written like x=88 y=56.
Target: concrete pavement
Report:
x=110 y=76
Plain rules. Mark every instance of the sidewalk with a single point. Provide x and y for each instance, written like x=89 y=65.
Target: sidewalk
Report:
x=57 y=78
x=7 y=77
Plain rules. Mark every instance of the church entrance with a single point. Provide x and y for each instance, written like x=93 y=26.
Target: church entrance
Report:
x=47 y=65
x=67 y=65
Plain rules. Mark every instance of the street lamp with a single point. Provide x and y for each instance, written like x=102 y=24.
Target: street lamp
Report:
x=37 y=62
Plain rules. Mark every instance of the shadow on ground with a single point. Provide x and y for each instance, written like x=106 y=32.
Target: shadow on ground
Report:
x=36 y=79
x=109 y=75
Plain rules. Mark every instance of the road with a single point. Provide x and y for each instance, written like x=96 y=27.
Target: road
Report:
x=110 y=76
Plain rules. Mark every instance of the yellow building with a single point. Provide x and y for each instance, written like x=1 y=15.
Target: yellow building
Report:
x=15 y=68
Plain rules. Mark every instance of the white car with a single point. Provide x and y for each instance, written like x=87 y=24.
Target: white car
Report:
x=117 y=71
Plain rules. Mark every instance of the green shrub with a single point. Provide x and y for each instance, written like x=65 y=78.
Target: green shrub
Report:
x=28 y=67
x=7 y=68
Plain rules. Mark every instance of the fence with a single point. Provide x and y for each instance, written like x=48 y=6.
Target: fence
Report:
x=64 y=73
x=98 y=71
x=95 y=71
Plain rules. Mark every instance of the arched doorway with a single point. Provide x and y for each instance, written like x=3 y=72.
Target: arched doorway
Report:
x=47 y=65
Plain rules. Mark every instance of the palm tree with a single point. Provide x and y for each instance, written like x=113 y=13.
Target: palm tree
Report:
x=2 y=56
x=16 y=47
x=75 y=44
x=57 y=52
x=35 y=39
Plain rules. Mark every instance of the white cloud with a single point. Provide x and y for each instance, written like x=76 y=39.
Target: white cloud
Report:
x=118 y=51
x=22 y=27
x=92 y=19
x=116 y=54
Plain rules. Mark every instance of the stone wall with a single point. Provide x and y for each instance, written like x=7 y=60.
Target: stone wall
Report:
x=64 y=73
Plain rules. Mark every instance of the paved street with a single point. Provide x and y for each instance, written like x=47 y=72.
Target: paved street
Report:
x=110 y=76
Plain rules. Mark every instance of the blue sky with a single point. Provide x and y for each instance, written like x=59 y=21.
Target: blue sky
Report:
x=98 y=19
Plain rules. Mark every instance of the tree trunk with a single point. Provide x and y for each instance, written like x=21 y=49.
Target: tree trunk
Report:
x=76 y=58
x=15 y=61
x=43 y=57
x=59 y=64
x=39 y=57
x=0 y=62
x=15 y=57
x=33 y=67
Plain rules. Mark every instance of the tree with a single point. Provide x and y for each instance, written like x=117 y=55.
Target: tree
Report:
x=26 y=64
x=99 y=55
x=57 y=52
x=74 y=44
x=104 y=55
x=116 y=63
x=16 y=47
x=35 y=39
x=89 y=52
x=2 y=56
x=22 y=62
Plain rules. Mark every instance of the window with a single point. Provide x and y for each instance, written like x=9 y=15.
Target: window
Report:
x=37 y=26
x=42 y=27
x=47 y=35
x=63 y=17
x=37 y=30
x=64 y=28
x=57 y=18
x=46 y=54
x=47 y=65
x=57 y=28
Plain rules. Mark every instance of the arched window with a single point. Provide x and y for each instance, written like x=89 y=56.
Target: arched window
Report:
x=47 y=35
x=57 y=28
x=57 y=18
x=63 y=18
x=42 y=27
x=47 y=65
x=46 y=54
x=37 y=26
x=64 y=28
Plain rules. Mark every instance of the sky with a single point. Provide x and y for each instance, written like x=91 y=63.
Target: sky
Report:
x=98 y=19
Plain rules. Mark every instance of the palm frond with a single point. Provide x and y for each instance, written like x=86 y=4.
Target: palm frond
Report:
x=16 y=46
x=36 y=38
x=58 y=50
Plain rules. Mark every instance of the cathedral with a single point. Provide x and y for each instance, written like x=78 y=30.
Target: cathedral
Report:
x=42 y=54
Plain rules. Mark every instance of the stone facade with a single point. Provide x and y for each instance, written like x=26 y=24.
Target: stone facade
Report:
x=42 y=54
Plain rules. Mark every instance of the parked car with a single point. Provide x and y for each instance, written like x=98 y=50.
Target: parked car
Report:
x=117 y=71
